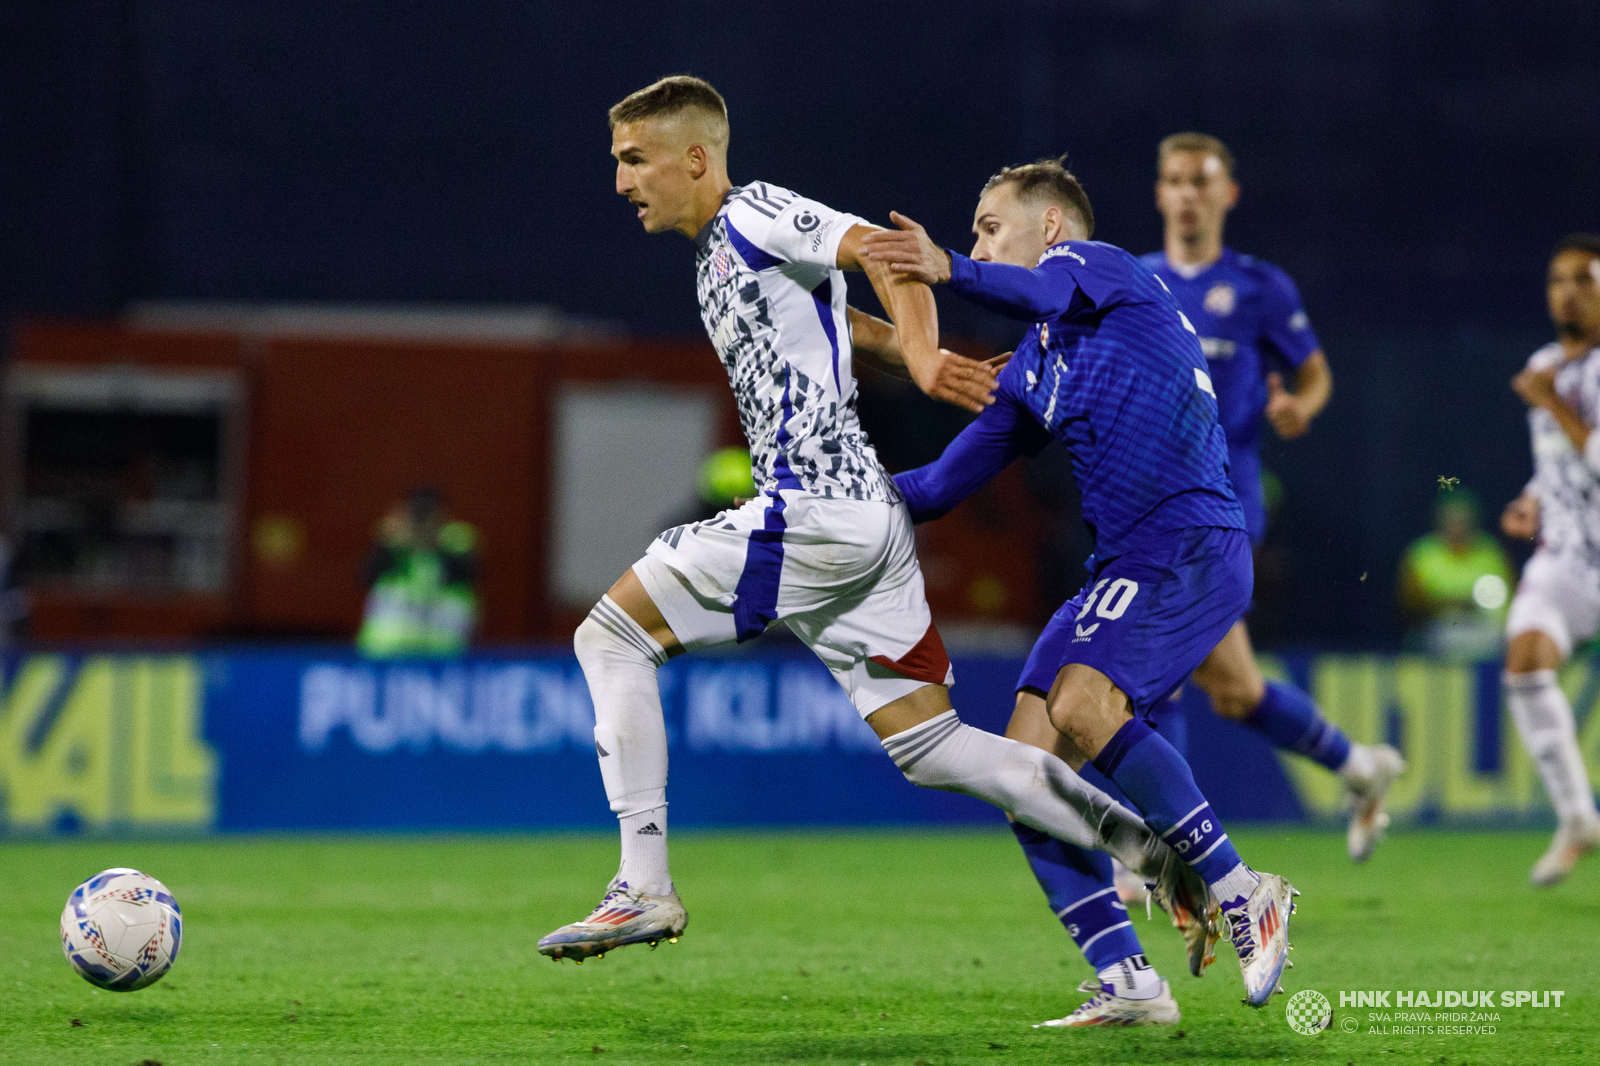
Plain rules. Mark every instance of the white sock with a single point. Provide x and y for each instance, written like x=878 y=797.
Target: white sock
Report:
x=619 y=661
x=1544 y=718
x=1033 y=786
x=1359 y=765
x=1132 y=978
x=1235 y=886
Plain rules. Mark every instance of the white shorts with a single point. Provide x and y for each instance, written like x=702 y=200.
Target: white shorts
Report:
x=842 y=574
x=1559 y=596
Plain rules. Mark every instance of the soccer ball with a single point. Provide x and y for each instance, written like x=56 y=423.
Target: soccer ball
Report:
x=121 y=930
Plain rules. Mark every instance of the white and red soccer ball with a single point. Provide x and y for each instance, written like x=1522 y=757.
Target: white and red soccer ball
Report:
x=121 y=930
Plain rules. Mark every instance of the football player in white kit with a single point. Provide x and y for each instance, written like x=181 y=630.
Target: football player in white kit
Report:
x=1558 y=599
x=826 y=545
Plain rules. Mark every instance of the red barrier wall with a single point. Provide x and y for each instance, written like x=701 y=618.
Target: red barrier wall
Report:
x=336 y=430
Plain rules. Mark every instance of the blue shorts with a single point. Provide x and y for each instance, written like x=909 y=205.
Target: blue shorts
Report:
x=1147 y=618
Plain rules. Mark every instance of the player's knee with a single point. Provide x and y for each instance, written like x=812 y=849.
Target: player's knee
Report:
x=1532 y=652
x=1235 y=704
x=1233 y=697
x=589 y=641
x=928 y=754
x=607 y=635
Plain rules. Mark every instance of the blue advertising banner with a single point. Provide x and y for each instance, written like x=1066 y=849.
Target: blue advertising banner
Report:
x=267 y=739
x=332 y=741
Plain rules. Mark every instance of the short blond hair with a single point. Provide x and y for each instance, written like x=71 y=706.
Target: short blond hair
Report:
x=1194 y=142
x=675 y=95
x=1047 y=179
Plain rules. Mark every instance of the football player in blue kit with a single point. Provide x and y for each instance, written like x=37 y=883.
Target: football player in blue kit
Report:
x=1112 y=369
x=1253 y=330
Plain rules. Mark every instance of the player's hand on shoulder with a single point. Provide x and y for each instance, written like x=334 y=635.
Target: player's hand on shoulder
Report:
x=1520 y=520
x=1536 y=387
x=908 y=251
x=955 y=379
x=1284 y=409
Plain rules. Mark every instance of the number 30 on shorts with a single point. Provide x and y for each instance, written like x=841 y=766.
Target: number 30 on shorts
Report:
x=1113 y=597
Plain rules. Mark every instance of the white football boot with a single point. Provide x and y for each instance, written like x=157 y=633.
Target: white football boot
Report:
x=1574 y=839
x=1193 y=909
x=1260 y=933
x=625 y=916
x=1130 y=886
x=1105 y=1007
x=1368 y=819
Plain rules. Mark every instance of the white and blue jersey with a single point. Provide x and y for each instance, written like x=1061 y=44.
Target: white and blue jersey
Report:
x=827 y=545
x=1251 y=322
x=773 y=301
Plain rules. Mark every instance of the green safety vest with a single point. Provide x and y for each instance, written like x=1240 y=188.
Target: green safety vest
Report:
x=1444 y=575
x=412 y=611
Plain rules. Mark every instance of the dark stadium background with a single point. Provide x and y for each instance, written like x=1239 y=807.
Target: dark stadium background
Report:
x=238 y=221
x=1410 y=166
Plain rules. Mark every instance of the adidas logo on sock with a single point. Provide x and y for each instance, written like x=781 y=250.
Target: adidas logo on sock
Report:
x=649 y=831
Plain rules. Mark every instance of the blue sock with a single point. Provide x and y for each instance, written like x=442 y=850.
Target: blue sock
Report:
x=1168 y=719
x=1290 y=719
x=1155 y=778
x=1079 y=886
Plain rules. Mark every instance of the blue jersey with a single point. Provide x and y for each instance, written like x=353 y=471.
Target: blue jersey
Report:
x=1110 y=368
x=1251 y=323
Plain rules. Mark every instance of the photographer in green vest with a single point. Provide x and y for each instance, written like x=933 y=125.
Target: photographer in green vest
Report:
x=421 y=599
x=1455 y=583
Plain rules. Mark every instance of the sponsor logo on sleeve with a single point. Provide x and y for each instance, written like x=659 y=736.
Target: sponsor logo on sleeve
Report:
x=1299 y=321
x=805 y=222
x=1062 y=250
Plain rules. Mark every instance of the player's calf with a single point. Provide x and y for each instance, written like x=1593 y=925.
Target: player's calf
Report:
x=1153 y=775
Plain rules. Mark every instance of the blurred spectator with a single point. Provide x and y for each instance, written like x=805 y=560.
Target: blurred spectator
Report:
x=723 y=480
x=1454 y=584
x=725 y=477
x=421 y=599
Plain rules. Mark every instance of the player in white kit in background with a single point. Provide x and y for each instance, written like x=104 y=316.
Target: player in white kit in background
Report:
x=1558 y=599
x=826 y=545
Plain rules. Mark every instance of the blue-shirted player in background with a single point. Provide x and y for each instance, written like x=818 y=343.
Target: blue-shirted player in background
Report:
x=1113 y=370
x=1253 y=330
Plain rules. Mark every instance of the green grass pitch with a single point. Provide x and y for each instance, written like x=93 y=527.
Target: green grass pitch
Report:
x=858 y=947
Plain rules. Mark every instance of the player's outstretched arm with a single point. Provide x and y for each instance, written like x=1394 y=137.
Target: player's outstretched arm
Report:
x=987 y=446
x=874 y=343
x=940 y=373
x=1538 y=389
x=1291 y=412
x=1024 y=293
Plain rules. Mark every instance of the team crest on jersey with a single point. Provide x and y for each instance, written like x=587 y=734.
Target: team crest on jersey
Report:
x=1221 y=298
x=722 y=264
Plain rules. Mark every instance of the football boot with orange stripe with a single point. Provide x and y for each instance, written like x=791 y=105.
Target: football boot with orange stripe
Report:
x=1259 y=929
x=625 y=916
